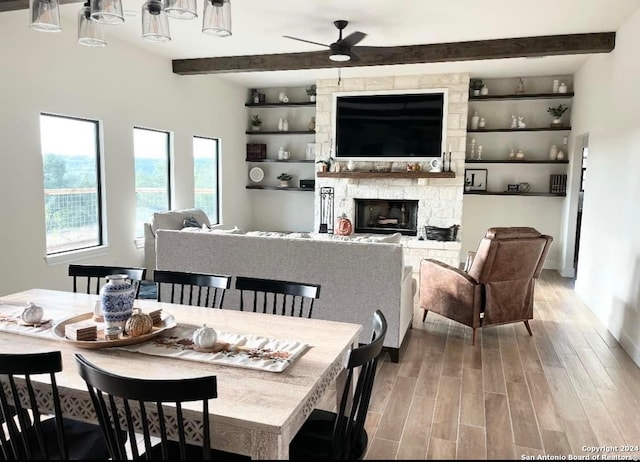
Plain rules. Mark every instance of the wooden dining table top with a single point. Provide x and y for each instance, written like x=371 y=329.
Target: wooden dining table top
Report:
x=256 y=413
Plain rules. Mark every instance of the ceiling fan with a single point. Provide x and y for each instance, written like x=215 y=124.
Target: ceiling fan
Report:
x=341 y=48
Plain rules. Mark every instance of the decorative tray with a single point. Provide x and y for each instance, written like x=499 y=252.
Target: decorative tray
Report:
x=167 y=321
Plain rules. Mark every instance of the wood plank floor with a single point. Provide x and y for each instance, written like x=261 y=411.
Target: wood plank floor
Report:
x=569 y=387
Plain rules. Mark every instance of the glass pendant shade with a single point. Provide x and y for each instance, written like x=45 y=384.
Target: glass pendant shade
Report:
x=216 y=19
x=107 y=11
x=181 y=9
x=90 y=32
x=155 y=22
x=45 y=16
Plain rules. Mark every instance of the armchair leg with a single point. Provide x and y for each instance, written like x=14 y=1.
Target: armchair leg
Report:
x=424 y=315
x=473 y=337
x=526 y=324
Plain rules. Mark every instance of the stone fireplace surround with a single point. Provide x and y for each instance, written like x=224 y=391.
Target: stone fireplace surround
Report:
x=439 y=199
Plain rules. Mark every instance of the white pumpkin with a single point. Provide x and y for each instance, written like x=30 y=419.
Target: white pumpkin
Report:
x=32 y=314
x=205 y=337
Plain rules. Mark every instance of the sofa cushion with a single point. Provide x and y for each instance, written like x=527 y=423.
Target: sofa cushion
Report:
x=174 y=219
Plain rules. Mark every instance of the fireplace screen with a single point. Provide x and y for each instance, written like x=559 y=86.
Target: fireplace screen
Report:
x=386 y=216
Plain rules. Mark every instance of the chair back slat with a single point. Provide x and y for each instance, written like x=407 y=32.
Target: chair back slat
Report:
x=139 y=405
x=93 y=277
x=197 y=289
x=277 y=297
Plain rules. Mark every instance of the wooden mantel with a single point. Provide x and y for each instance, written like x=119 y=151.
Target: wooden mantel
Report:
x=364 y=174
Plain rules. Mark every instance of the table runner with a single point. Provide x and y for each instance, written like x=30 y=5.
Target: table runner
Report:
x=257 y=352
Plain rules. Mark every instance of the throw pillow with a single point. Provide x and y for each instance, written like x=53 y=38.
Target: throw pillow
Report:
x=190 y=222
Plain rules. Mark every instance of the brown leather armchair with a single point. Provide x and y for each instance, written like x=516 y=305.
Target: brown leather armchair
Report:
x=497 y=284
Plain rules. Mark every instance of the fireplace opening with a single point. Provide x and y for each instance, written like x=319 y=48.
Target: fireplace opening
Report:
x=381 y=216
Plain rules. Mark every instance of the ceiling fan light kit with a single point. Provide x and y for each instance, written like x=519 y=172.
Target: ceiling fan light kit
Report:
x=216 y=18
x=341 y=48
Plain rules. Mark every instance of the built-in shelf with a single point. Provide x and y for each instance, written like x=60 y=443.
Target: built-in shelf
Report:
x=291 y=161
x=522 y=96
x=280 y=132
x=301 y=103
x=505 y=193
x=535 y=129
x=366 y=174
x=278 y=188
x=475 y=161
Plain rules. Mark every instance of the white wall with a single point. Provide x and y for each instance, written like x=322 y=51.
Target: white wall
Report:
x=607 y=108
x=122 y=86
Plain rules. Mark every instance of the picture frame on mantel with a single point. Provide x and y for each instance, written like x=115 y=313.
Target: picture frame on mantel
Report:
x=475 y=179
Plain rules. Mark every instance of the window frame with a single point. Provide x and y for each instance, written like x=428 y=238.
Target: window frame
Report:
x=218 y=143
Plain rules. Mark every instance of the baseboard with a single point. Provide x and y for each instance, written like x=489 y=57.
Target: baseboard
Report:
x=632 y=348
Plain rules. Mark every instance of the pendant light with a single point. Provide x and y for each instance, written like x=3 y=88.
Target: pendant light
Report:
x=216 y=18
x=107 y=11
x=155 y=23
x=45 y=16
x=90 y=32
x=181 y=9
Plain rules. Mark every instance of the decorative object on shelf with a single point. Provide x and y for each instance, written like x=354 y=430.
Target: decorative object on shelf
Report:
x=435 y=165
x=255 y=96
x=484 y=91
x=256 y=174
x=479 y=157
x=519 y=155
x=520 y=87
x=476 y=85
x=281 y=124
x=256 y=122
x=524 y=187
x=557 y=112
x=324 y=165
x=326 y=209
x=116 y=300
x=512 y=154
x=337 y=167
x=263 y=98
x=351 y=165
x=282 y=96
x=562 y=88
x=475 y=120
x=281 y=153
x=312 y=124
x=286 y=155
x=553 y=152
x=560 y=155
x=511 y=187
x=284 y=178
x=311 y=91
x=556 y=85
x=285 y=125
x=256 y=151
x=558 y=184
x=482 y=122
x=475 y=179
x=521 y=123
x=343 y=226
x=435 y=233
x=514 y=121
x=311 y=151
x=472 y=154
x=446 y=160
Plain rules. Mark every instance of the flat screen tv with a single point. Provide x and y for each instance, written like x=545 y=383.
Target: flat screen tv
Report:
x=390 y=126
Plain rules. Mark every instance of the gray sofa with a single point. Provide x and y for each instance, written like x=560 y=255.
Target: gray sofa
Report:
x=356 y=278
x=171 y=219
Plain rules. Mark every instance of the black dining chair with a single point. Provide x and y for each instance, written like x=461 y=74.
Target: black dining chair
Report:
x=193 y=288
x=90 y=278
x=341 y=435
x=277 y=297
x=33 y=431
x=129 y=405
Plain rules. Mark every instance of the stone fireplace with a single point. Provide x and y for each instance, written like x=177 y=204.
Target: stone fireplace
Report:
x=432 y=201
x=381 y=216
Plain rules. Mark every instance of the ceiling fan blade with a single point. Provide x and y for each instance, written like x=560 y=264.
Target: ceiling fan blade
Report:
x=303 y=40
x=353 y=38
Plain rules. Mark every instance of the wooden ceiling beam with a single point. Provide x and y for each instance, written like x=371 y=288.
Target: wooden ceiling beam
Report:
x=549 y=45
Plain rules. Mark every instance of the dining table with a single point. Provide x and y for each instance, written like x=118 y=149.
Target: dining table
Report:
x=258 y=410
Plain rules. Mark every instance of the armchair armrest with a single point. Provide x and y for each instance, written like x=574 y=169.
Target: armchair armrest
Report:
x=449 y=291
x=471 y=254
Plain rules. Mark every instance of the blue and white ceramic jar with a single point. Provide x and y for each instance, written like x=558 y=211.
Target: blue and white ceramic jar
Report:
x=116 y=300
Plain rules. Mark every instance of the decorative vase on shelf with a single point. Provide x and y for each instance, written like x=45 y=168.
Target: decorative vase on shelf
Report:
x=475 y=120
x=281 y=124
x=282 y=96
x=283 y=184
x=553 y=152
x=285 y=125
x=484 y=91
x=562 y=88
x=116 y=300
x=312 y=98
x=560 y=155
x=557 y=122
x=312 y=124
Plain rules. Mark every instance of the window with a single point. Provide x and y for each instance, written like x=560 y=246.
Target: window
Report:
x=71 y=170
x=153 y=186
x=205 y=176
